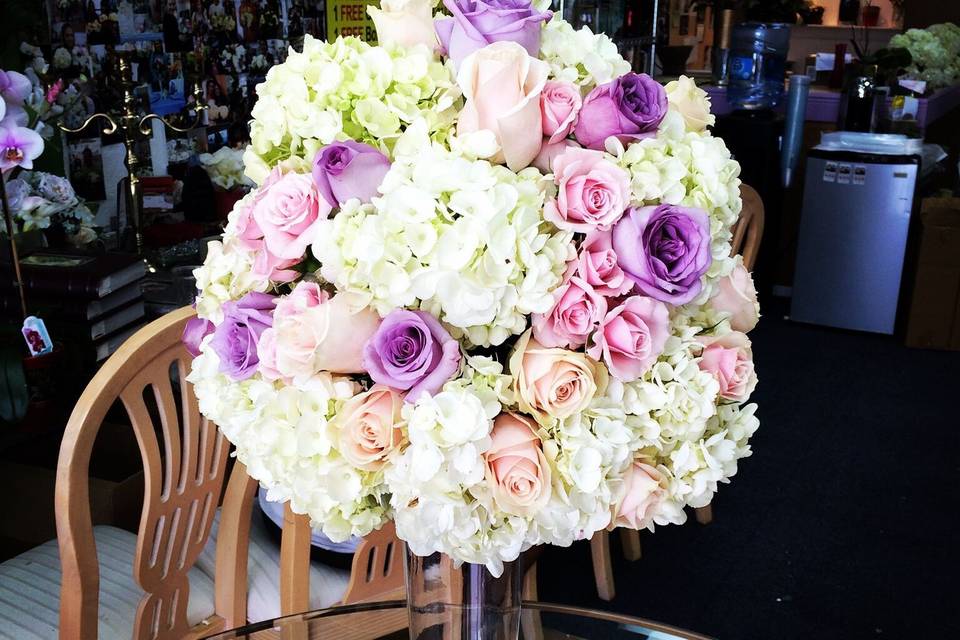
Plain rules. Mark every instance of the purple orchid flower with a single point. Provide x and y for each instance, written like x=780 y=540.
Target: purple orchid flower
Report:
x=19 y=147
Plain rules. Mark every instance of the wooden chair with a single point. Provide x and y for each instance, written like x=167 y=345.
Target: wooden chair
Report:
x=112 y=583
x=747 y=234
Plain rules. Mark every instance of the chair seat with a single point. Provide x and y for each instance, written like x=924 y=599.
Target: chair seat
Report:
x=327 y=584
x=30 y=590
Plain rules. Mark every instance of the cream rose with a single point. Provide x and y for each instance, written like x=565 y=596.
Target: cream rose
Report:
x=314 y=332
x=643 y=490
x=691 y=102
x=369 y=427
x=516 y=469
x=552 y=384
x=736 y=296
x=404 y=22
x=502 y=86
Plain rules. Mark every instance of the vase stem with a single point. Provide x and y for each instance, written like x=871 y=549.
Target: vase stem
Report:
x=445 y=602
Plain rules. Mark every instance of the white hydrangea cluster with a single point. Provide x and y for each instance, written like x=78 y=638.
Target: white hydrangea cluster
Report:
x=440 y=499
x=935 y=52
x=460 y=238
x=284 y=435
x=580 y=56
x=226 y=274
x=347 y=89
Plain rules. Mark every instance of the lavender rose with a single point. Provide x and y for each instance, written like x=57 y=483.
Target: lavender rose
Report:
x=349 y=169
x=477 y=23
x=411 y=351
x=194 y=332
x=665 y=250
x=630 y=107
x=235 y=339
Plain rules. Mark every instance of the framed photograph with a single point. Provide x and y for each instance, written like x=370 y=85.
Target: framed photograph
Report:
x=86 y=168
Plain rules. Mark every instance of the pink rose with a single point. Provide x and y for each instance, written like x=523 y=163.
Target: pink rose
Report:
x=502 y=85
x=737 y=297
x=576 y=312
x=552 y=384
x=516 y=469
x=245 y=229
x=559 y=105
x=632 y=337
x=549 y=152
x=597 y=266
x=593 y=192
x=288 y=212
x=270 y=267
x=643 y=492
x=267 y=354
x=730 y=359
x=369 y=427
x=316 y=332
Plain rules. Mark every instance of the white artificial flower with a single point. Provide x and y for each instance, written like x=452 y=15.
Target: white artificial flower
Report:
x=581 y=57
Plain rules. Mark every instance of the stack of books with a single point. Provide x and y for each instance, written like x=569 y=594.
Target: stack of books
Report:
x=90 y=304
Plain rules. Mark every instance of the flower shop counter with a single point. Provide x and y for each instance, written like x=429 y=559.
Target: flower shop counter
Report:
x=823 y=105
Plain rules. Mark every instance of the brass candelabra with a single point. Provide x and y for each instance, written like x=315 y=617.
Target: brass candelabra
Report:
x=135 y=127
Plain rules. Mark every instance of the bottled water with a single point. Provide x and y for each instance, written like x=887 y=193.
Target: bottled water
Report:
x=758 y=58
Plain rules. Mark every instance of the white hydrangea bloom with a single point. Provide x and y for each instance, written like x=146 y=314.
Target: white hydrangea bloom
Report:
x=347 y=89
x=284 y=437
x=580 y=56
x=462 y=239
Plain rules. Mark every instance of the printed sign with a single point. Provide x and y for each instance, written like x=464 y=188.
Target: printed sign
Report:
x=860 y=174
x=844 y=172
x=830 y=172
x=349 y=18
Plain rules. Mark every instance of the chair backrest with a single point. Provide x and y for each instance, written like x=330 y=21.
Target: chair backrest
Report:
x=182 y=485
x=181 y=492
x=376 y=572
x=748 y=232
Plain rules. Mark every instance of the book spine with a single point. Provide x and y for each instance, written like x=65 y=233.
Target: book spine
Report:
x=71 y=285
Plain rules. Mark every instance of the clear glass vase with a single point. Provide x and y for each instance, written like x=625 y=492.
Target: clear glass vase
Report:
x=446 y=602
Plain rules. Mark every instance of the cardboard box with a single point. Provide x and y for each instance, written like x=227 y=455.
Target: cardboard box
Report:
x=934 y=316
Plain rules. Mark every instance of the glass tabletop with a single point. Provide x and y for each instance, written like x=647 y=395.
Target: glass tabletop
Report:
x=388 y=621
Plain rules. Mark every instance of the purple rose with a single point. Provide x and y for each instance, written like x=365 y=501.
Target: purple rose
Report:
x=194 y=332
x=349 y=169
x=630 y=107
x=665 y=250
x=411 y=351
x=235 y=339
x=477 y=23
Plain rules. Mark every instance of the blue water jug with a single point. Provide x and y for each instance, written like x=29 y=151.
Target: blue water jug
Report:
x=758 y=59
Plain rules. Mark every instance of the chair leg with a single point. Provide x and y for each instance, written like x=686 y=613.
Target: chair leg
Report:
x=704 y=514
x=530 y=620
x=630 y=539
x=602 y=565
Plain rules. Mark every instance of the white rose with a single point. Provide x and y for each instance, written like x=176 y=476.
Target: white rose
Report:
x=404 y=22
x=692 y=102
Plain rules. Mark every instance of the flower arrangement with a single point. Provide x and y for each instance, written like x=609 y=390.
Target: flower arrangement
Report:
x=41 y=200
x=935 y=52
x=482 y=289
x=225 y=168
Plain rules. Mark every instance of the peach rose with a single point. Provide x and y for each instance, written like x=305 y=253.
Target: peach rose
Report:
x=516 y=469
x=560 y=103
x=592 y=191
x=642 y=492
x=404 y=22
x=577 y=311
x=730 y=359
x=737 y=297
x=502 y=86
x=316 y=332
x=552 y=384
x=369 y=427
x=288 y=212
